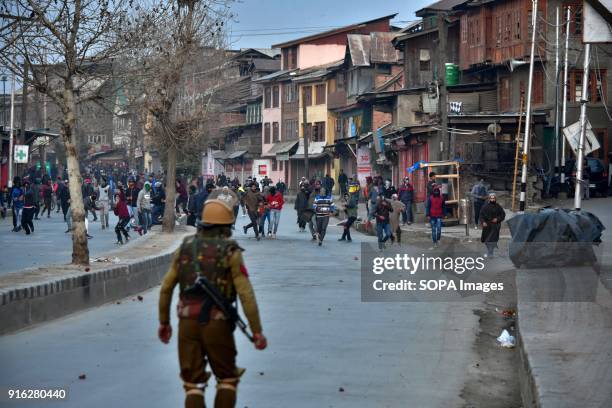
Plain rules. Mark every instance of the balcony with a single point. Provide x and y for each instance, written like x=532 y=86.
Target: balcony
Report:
x=336 y=99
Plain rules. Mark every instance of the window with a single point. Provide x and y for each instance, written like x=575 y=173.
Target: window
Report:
x=294 y=58
x=464 y=29
x=597 y=85
x=290 y=92
x=318 y=131
x=266 y=133
x=290 y=58
x=275 y=97
x=517 y=25
x=320 y=94
x=274 y=165
x=538 y=87
x=424 y=59
x=384 y=69
x=575 y=17
x=307 y=95
x=340 y=80
x=280 y=165
x=498 y=30
x=275 y=132
x=268 y=97
x=291 y=129
x=338 y=126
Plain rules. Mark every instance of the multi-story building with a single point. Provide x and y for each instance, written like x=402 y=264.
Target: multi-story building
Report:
x=302 y=88
x=462 y=96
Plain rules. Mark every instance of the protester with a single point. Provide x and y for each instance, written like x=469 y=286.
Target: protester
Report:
x=144 y=207
x=586 y=180
x=389 y=189
x=431 y=183
x=323 y=207
x=491 y=216
x=328 y=183
x=17 y=199
x=87 y=190
x=382 y=213
x=406 y=196
x=64 y=197
x=158 y=203
x=35 y=187
x=373 y=200
x=343 y=182
x=350 y=208
x=122 y=212
x=131 y=199
x=434 y=211
x=182 y=197
x=264 y=212
x=281 y=187
x=398 y=208
x=104 y=198
x=301 y=204
x=29 y=209
x=252 y=201
x=47 y=196
x=192 y=208
x=275 y=204
x=479 y=195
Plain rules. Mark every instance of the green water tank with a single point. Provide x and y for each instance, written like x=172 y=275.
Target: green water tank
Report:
x=452 y=73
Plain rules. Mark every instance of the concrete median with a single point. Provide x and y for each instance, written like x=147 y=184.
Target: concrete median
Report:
x=39 y=295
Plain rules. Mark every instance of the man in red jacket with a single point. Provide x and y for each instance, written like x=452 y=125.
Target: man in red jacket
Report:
x=122 y=212
x=275 y=203
x=434 y=211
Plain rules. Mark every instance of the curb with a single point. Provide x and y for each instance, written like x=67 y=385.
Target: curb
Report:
x=31 y=304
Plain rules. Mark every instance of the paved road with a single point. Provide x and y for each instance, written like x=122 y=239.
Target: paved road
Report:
x=321 y=338
x=49 y=244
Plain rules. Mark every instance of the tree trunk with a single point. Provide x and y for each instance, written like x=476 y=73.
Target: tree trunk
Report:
x=80 y=249
x=169 y=213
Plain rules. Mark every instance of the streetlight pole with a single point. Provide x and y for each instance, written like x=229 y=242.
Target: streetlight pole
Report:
x=525 y=158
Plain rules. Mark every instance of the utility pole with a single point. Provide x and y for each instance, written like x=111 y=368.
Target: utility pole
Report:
x=11 y=130
x=564 y=115
x=305 y=131
x=525 y=158
x=442 y=94
x=557 y=92
x=584 y=98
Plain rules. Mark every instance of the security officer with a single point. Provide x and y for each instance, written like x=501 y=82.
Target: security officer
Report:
x=212 y=254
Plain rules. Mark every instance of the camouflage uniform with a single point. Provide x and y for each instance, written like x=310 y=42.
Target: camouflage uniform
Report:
x=220 y=261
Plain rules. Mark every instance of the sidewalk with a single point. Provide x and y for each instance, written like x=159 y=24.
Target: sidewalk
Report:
x=36 y=295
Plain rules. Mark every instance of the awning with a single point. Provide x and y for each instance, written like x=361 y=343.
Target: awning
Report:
x=365 y=138
x=220 y=155
x=236 y=155
x=281 y=148
x=316 y=150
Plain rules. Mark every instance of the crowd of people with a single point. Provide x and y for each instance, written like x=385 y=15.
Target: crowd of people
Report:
x=138 y=201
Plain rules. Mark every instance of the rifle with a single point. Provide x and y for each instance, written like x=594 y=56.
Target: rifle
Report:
x=214 y=297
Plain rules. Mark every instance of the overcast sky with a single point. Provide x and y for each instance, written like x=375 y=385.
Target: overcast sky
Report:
x=261 y=23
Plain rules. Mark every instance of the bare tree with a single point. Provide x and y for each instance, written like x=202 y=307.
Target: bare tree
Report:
x=183 y=67
x=69 y=46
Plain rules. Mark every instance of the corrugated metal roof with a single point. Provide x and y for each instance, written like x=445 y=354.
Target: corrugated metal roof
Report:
x=261 y=64
x=359 y=49
x=382 y=49
x=371 y=49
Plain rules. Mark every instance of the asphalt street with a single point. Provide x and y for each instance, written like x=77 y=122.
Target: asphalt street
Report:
x=49 y=244
x=326 y=347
